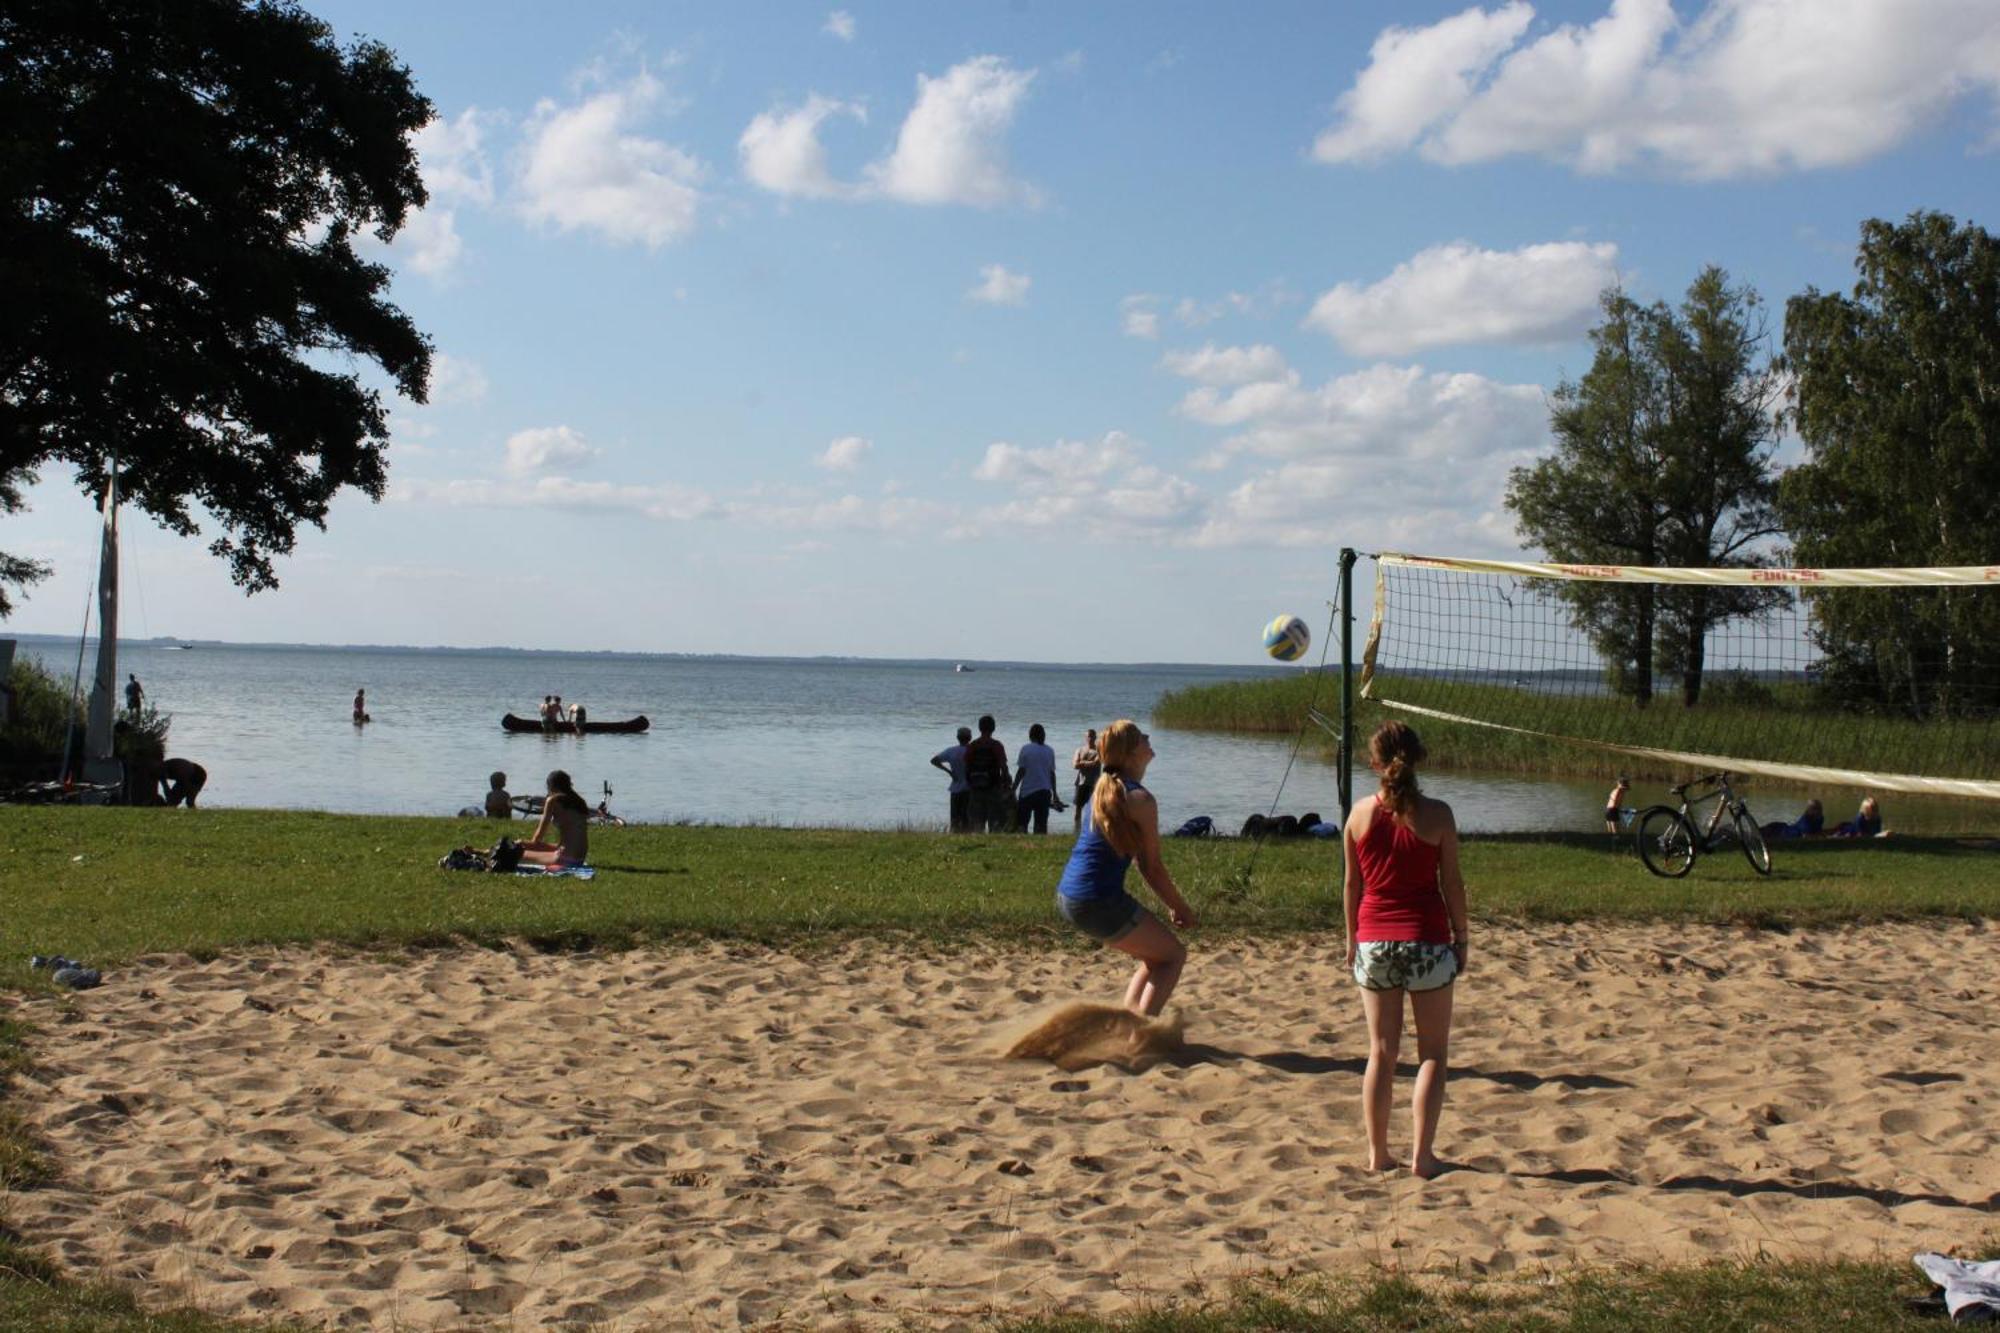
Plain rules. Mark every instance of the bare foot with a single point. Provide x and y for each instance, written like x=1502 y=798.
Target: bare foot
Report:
x=1382 y=1162
x=1428 y=1168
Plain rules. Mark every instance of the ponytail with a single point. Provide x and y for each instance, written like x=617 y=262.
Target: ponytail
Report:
x=1108 y=812
x=1396 y=750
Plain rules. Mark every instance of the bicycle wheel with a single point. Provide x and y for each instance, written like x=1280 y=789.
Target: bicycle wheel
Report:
x=1666 y=842
x=1752 y=839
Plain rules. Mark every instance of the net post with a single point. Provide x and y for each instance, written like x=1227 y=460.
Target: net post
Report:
x=1344 y=760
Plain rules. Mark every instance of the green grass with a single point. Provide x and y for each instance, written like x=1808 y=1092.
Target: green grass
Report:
x=1723 y=1297
x=1786 y=725
x=106 y=885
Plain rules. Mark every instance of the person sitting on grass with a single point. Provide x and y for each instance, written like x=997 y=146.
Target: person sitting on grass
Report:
x=1809 y=824
x=571 y=817
x=1867 y=822
x=499 y=805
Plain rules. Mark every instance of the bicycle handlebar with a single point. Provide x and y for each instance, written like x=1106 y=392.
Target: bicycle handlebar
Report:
x=1718 y=779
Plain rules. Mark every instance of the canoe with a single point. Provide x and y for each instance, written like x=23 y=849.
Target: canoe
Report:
x=630 y=725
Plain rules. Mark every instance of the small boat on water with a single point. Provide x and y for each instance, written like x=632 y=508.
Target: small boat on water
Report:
x=962 y=668
x=629 y=726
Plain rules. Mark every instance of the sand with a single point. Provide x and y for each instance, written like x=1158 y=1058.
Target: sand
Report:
x=724 y=1135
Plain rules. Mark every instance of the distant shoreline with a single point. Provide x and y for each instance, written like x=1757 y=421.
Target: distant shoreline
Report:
x=442 y=650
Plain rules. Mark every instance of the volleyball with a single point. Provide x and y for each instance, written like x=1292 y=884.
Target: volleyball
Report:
x=1287 y=638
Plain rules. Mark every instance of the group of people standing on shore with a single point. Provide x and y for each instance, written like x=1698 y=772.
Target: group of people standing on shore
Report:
x=986 y=798
x=1407 y=928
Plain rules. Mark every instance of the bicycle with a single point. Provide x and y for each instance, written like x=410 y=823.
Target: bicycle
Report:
x=1669 y=844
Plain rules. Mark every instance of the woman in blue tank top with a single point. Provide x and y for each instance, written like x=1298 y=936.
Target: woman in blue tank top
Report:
x=1123 y=825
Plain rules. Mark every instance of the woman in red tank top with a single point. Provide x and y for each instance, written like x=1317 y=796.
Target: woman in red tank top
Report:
x=1406 y=932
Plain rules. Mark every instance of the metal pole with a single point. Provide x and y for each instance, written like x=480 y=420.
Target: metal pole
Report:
x=1344 y=762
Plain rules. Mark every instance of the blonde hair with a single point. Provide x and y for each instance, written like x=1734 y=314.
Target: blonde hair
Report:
x=1396 y=752
x=1116 y=744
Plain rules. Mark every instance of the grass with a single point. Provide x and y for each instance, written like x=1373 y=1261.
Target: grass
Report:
x=108 y=884
x=1722 y=1297
x=1788 y=725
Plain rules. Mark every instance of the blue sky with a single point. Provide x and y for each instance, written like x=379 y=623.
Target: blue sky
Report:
x=1061 y=332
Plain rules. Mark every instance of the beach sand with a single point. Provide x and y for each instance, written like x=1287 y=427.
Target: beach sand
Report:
x=719 y=1135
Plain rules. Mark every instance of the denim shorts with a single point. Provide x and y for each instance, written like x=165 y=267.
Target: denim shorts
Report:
x=1404 y=964
x=1107 y=920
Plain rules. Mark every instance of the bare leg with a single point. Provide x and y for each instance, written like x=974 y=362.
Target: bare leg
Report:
x=1161 y=956
x=1378 y=1086
x=1433 y=1013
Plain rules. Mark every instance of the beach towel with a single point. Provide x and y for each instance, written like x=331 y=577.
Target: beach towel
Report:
x=563 y=872
x=1971 y=1291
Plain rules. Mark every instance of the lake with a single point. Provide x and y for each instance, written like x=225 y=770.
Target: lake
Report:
x=810 y=742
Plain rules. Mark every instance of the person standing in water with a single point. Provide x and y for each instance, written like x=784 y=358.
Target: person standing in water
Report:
x=360 y=707
x=1406 y=932
x=1123 y=826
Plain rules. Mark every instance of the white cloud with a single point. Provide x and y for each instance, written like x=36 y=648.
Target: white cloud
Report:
x=998 y=286
x=545 y=449
x=844 y=454
x=1139 y=316
x=667 y=502
x=1455 y=294
x=452 y=157
x=456 y=379
x=1098 y=489
x=1415 y=77
x=453 y=163
x=1210 y=364
x=1742 y=87
x=782 y=153
x=952 y=146
x=429 y=242
x=1388 y=440
x=586 y=169
x=839 y=24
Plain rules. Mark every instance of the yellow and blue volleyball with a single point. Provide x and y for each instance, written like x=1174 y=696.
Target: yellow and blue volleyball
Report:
x=1287 y=638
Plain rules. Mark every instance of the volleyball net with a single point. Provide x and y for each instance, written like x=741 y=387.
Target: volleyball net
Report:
x=1872 y=678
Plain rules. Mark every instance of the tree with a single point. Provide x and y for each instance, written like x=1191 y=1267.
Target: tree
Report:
x=1897 y=399
x=181 y=186
x=1662 y=458
x=16 y=572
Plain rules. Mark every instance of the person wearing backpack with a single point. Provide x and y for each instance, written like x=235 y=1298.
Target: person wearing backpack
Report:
x=988 y=783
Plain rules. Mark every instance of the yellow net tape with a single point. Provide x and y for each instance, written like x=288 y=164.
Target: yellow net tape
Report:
x=1941 y=576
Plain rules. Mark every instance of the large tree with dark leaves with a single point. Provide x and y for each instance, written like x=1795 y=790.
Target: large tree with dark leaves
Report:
x=181 y=186
x=1898 y=403
x=1662 y=457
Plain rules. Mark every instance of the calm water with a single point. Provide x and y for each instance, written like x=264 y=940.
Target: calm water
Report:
x=795 y=742
x=807 y=742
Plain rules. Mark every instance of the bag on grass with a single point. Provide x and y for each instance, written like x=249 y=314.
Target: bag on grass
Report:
x=505 y=856
x=463 y=858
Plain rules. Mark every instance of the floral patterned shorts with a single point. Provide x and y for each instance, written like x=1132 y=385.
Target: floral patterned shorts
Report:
x=1405 y=964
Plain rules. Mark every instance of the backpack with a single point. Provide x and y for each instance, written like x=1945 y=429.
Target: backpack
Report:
x=1198 y=827
x=463 y=858
x=506 y=855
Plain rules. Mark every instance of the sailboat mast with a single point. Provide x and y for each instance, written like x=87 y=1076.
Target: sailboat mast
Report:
x=104 y=688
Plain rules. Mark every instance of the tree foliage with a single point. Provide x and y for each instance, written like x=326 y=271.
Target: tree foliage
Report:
x=1662 y=457
x=181 y=187
x=1897 y=399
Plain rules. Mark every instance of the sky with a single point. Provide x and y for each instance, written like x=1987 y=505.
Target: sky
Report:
x=1038 y=331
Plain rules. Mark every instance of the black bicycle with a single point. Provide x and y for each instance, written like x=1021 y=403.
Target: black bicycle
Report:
x=1669 y=841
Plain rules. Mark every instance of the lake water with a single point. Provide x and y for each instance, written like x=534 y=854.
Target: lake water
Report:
x=811 y=742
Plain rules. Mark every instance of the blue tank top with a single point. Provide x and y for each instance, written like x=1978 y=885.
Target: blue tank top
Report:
x=1095 y=870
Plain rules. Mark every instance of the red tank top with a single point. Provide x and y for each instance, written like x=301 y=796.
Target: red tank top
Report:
x=1400 y=898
